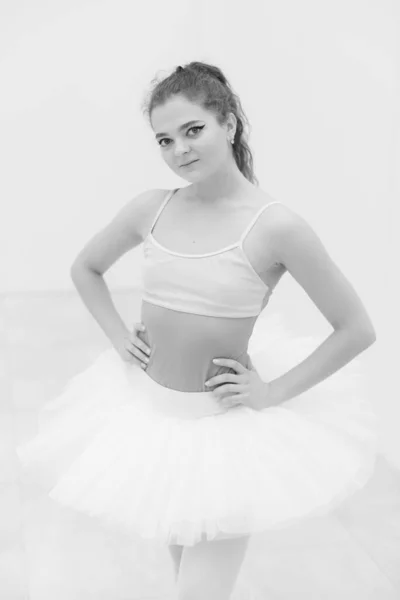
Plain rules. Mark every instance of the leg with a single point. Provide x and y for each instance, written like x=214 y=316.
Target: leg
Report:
x=209 y=570
x=176 y=553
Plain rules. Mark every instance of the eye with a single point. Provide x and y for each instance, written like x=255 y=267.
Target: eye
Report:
x=200 y=127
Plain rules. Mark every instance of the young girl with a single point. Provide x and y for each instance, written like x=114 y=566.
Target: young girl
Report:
x=158 y=438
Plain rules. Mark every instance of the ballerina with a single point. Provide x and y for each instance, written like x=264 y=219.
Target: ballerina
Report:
x=178 y=433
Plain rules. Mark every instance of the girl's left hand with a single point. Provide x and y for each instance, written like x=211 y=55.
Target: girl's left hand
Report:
x=247 y=386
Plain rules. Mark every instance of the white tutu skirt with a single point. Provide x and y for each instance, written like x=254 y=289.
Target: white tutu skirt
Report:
x=177 y=468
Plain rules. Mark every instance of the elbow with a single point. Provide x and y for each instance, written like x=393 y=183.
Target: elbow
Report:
x=79 y=267
x=361 y=335
x=363 y=331
x=365 y=336
x=372 y=336
x=368 y=333
x=76 y=268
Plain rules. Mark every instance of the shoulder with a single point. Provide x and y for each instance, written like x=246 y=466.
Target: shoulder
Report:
x=287 y=231
x=145 y=201
x=277 y=216
x=148 y=203
x=153 y=196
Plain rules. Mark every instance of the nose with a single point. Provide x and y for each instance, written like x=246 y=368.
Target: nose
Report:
x=181 y=148
x=180 y=156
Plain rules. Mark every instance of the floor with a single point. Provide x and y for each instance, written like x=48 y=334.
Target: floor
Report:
x=47 y=552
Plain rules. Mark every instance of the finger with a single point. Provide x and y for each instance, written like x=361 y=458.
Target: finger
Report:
x=138 y=327
x=135 y=351
x=236 y=382
x=143 y=347
x=230 y=362
x=137 y=341
x=239 y=390
x=224 y=389
x=224 y=378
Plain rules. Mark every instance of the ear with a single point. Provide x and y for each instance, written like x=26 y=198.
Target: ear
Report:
x=232 y=122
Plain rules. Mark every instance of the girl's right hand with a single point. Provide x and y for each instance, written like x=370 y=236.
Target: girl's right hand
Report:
x=132 y=349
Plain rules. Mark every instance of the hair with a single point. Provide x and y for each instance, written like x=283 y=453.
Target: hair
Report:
x=207 y=86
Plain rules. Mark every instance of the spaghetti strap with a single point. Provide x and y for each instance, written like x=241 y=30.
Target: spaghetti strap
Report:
x=254 y=219
x=167 y=198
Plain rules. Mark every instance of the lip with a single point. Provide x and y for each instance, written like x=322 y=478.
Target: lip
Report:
x=188 y=164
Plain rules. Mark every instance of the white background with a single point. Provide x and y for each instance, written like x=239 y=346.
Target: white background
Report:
x=318 y=82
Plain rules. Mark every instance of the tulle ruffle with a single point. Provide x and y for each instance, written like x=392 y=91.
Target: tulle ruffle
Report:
x=105 y=448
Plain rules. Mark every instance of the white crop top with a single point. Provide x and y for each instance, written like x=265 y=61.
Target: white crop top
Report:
x=222 y=283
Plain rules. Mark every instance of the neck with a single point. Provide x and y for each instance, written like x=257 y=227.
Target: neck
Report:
x=222 y=184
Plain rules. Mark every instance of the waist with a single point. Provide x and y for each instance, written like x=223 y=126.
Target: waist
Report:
x=183 y=346
x=187 y=373
x=165 y=401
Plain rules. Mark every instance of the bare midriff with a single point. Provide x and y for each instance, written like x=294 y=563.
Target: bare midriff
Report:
x=183 y=345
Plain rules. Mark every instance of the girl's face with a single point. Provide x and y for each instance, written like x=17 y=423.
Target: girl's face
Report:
x=186 y=132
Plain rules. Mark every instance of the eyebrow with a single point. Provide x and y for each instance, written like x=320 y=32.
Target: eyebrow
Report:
x=180 y=128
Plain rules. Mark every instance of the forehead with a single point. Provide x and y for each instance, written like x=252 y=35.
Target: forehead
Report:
x=175 y=112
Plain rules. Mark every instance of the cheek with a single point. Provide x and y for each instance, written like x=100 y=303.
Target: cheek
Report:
x=216 y=149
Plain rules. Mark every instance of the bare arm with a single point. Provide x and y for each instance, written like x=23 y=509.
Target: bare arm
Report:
x=298 y=247
x=123 y=233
